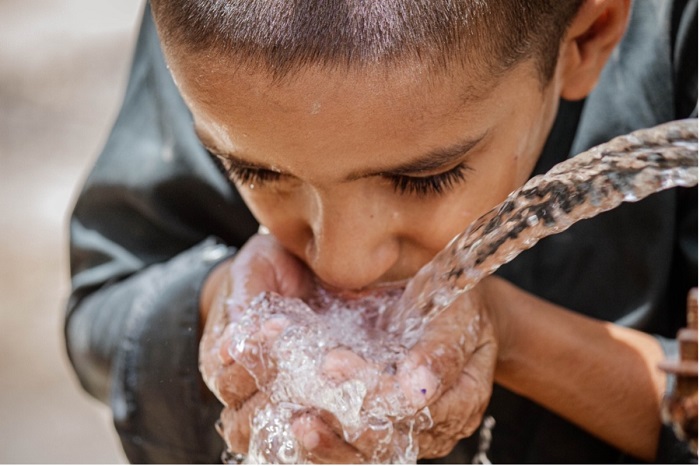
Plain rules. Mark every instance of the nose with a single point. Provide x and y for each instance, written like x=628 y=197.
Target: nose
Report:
x=353 y=244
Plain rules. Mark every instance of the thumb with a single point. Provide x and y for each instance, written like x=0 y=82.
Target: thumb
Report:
x=264 y=265
x=435 y=362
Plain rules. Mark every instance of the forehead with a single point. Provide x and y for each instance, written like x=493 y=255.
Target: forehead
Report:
x=335 y=114
x=205 y=76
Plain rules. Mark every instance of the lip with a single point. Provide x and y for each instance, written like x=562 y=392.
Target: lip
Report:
x=357 y=293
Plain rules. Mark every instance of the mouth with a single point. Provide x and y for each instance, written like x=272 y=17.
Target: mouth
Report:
x=374 y=288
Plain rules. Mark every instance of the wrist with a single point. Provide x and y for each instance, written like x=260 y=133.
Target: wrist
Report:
x=498 y=296
x=518 y=318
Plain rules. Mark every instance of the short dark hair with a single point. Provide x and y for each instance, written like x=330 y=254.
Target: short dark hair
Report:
x=286 y=35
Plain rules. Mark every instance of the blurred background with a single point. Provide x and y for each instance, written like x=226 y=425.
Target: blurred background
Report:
x=63 y=71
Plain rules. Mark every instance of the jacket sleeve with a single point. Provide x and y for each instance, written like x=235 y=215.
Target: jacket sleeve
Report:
x=153 y=217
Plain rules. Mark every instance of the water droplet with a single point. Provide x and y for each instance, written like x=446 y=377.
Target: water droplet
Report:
x=576 y=189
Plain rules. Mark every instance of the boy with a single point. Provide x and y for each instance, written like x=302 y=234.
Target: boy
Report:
x=364 y=137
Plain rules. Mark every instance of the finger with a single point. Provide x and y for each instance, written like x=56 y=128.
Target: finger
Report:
x=377 y=440
x=234 y=385
x=456 y=415
x=459 y=411
x=435 y=447
x=235 y=424
x=430 y=366
x=252 y=344
x=230 y=382
x=435 y=361
x=267 y=266
x=382 y=396
x=341 y=364
x=321 y=443
x=215 y=341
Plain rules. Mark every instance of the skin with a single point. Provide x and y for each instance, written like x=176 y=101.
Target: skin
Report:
x=338 y=137
x=330 y=133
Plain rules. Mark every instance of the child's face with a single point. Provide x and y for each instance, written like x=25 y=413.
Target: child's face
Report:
x=365 y=175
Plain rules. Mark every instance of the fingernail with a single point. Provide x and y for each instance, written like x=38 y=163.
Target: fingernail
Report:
x=340 y=364
x=311 y=440
x=274 y=326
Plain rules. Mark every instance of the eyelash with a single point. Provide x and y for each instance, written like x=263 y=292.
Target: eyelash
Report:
x=245 y=175
x=434 y=184
x=420 y=186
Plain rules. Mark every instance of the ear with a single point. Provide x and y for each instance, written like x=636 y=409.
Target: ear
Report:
x=593 y=34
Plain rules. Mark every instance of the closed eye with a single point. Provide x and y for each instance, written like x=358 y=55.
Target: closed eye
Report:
x=243 y=174
x=423 y=186
x=420 y=186
x=252 y=176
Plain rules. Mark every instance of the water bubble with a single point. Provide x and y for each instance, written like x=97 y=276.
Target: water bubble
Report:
x=630 y=196
x=287 y=453
x=575 y=189
x=441 y=298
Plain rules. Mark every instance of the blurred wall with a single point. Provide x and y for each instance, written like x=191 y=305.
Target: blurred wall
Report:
x=63 y=71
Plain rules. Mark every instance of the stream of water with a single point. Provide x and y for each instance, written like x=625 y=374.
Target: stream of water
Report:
x=380 y=327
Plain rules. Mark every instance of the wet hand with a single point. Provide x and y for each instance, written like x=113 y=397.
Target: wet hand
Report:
x=261 y=265
x=450 y=370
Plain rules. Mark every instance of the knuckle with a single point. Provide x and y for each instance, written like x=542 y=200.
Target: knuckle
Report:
x=437 y=448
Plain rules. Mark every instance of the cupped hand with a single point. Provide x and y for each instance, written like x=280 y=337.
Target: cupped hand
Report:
x=449 y=370
x=262 y=265
x=454 y=362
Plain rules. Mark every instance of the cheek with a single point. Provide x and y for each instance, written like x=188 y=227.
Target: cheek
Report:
x=429 y=225
x=533 y=135
x=282 y=214
x=495 y=175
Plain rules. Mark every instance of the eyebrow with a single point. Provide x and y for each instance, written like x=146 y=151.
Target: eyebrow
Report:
x=432 y=160
x=237 y=161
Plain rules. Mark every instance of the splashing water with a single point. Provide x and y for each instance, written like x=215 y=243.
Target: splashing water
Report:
x=378 y=328
x=625 y=169
x=299 y=379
